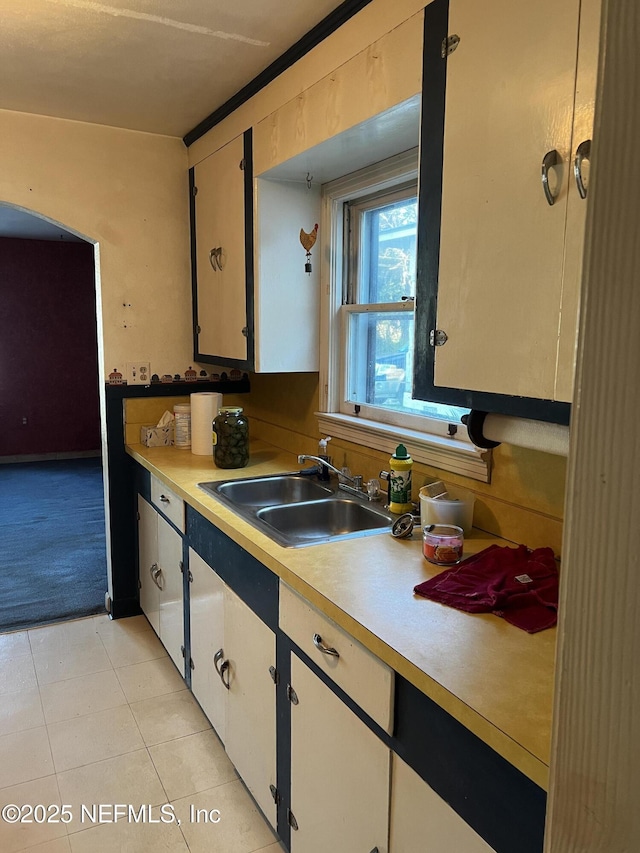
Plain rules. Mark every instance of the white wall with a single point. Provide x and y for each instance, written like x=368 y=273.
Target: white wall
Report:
x=128 y=192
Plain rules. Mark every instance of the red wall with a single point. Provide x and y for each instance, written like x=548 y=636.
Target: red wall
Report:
x=48 y=348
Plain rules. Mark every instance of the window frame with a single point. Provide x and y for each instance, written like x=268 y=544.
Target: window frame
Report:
x=429 y=439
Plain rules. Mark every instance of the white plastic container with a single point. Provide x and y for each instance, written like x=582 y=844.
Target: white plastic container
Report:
x=182 y=415
x=456 y=508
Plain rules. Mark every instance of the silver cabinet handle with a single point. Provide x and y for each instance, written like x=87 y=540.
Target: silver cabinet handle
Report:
x=215 y=258
x=156 y=572
x=583 y=152
x=224 y=669
x=164 y=499
x=326 y=650
x=550 y=159
x=216 y=660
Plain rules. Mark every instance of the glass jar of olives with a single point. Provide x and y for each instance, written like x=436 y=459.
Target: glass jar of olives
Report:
x=230 y=438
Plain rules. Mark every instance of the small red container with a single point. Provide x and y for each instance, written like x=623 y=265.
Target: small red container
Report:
x=442 y=544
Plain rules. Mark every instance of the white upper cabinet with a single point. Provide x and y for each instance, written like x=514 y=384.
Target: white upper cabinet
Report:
x=517 y=106
x=576 y=206
x=265 y=321
x=220 y=260
x=286 y=297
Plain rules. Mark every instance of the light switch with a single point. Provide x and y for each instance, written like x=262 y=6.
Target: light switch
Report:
x=138 y=373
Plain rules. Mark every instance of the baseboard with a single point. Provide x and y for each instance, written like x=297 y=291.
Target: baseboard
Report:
x=47 y=457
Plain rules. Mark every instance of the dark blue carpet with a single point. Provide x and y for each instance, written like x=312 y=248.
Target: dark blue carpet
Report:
x=53 y=563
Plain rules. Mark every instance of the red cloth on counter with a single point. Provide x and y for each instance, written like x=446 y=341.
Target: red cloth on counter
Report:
x=516 y=583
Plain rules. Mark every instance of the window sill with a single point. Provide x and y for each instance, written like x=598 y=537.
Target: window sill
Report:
x=448 y=454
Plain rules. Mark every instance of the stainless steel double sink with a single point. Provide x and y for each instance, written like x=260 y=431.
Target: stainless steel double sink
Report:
x=296 y=510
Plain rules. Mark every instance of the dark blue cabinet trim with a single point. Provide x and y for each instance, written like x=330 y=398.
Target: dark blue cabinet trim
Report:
x=194 y=259
x=248 y=245
x=256 y=585
x=434 y=79
x=283 y=739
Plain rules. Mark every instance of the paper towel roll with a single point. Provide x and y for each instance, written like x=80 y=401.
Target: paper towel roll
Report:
x=204 y=408
x=536 y=435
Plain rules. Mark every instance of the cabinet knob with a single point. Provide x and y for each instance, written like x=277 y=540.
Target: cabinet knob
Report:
x=438 y=337
x=164 y=499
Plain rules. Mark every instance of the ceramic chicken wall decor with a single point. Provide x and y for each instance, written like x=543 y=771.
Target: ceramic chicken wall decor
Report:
x=308 y=241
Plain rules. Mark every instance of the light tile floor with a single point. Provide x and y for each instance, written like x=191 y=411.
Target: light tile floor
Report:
x=94 y=712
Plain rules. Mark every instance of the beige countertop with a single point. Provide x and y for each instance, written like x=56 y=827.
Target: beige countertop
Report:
x=494 y=678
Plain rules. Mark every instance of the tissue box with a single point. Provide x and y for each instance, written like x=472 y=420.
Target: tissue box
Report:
x=155 y=436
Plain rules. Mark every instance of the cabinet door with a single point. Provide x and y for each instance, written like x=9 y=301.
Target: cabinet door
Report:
x=220 y=225
x=287 y=300
x=339 y=773
x=148 y=562
x=171 y=599
x=206 y=601
x=250 y=742
x=421 y=822
x=577 y=205
x=502 y=244
x=491 y=247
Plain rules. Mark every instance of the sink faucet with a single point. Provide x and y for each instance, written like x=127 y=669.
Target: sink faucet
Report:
x=356 y=488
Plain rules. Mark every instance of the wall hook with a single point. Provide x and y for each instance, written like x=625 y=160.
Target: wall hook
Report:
x=308 y=179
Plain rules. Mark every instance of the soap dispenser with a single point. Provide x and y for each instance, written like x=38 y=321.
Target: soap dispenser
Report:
x=400 y=466
x=322 y=454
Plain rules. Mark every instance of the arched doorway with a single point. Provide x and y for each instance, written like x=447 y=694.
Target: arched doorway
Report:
x=53 y=563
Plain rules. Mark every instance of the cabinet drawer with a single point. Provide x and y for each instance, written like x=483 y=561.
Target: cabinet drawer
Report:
x=167 y=502
x=361 y=675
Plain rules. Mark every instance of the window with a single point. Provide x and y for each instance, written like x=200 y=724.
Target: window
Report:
x=372 y=218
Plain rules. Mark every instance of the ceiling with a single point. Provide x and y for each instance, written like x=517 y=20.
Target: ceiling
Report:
x=26 y=226
x=149 y=65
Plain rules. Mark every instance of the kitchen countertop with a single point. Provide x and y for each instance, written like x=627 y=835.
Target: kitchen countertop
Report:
x=495 y=679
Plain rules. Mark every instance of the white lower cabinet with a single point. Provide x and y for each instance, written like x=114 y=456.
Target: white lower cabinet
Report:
x=171 y=597
x=148 y=563
x=421 y=822
x=160 y=578
x=233 y=653
x=339 y=773
x=206 y=596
